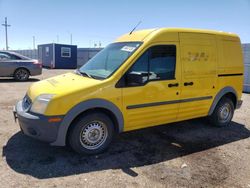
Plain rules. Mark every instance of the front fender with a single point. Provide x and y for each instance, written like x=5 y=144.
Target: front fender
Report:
x=81 y=107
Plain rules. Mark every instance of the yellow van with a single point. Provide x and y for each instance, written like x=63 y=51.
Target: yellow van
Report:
x=143 y=79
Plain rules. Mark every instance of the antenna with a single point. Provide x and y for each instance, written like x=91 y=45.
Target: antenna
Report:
x=135 y=27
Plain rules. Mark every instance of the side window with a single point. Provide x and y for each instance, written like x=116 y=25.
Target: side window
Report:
x=4 y=57
x=162 y=62
x=140 y=67
x=14 y=57
x=157 y=63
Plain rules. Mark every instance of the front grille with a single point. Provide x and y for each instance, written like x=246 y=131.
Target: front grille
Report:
x=26 y=102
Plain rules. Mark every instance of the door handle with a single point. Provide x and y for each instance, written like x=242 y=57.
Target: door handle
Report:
x=188 y=83
x=173 y=85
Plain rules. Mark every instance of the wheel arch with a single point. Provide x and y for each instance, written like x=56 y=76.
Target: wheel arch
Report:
x=22 y=67
x=226 y=91
x=103 y=105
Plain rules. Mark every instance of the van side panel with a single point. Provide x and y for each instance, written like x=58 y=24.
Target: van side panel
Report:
x=230 y=64
x=199 y=62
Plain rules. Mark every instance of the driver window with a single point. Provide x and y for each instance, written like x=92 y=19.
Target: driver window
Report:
x=157 y=63
x=162 y=62
x=141 y=67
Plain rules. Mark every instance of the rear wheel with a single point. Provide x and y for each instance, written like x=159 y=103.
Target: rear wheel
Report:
x=21 y=74
x=91 y=134
x=223 y=113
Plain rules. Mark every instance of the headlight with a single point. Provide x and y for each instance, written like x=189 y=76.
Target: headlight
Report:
x=40 y=103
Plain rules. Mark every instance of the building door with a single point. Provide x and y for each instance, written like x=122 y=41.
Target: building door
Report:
x=40 y=54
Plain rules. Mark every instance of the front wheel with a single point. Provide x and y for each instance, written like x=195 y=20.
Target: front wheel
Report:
x=91 y=134
x=223 y=113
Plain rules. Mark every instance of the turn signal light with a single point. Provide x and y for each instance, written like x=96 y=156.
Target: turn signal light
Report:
x=54 y=119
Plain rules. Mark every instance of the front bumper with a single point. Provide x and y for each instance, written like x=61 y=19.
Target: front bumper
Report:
x=36 y=126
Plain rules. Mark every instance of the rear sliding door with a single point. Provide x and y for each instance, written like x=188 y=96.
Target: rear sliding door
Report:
x=199 y=74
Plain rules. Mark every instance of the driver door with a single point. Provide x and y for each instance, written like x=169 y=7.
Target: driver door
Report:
x=155 y=100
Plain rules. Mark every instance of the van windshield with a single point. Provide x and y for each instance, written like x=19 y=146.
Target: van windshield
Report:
x=108 y=60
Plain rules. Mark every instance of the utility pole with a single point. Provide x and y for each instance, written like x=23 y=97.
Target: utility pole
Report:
x=70 y=37
x=34 y=42
x=6 y=32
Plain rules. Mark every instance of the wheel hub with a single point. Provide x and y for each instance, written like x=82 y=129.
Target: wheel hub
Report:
x=93 y=135
x=225 y=112
x=21 y=74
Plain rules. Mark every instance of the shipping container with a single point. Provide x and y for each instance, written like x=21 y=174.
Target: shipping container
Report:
x=58 y=56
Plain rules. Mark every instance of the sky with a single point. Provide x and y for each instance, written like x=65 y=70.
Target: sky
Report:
x=102 y=21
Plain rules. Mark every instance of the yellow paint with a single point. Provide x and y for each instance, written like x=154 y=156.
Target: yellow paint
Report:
x=201 y=56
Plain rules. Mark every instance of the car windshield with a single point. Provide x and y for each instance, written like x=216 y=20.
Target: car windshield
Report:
x=107 y=61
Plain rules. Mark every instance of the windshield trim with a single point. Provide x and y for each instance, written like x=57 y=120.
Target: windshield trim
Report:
x=139 y=45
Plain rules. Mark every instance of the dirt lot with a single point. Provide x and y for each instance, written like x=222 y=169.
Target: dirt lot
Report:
x=185 y=154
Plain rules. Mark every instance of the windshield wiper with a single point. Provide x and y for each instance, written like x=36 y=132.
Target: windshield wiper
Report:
x=86 y=74
x=77 y=71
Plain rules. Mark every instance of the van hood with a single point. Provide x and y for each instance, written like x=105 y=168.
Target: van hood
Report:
x=61 y=85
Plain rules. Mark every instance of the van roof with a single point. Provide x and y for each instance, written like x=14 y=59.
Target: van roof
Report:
x=140 y=35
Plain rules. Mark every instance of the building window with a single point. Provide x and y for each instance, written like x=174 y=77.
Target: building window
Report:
x=65 y=52
x=47 y=51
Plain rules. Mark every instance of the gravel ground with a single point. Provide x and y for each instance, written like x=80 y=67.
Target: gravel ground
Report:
x=185 y=154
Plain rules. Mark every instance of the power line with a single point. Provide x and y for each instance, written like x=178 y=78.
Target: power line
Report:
x=6 y=32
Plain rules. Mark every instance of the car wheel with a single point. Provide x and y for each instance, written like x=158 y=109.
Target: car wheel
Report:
x=21 y=74
x=223 y=113
x=91 y=134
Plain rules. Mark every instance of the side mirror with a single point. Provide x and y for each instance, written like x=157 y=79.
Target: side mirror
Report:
x=136 y=78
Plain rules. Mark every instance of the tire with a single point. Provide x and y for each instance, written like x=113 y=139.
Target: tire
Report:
x=223 y=113
x=21 y=74
x=91 y=134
